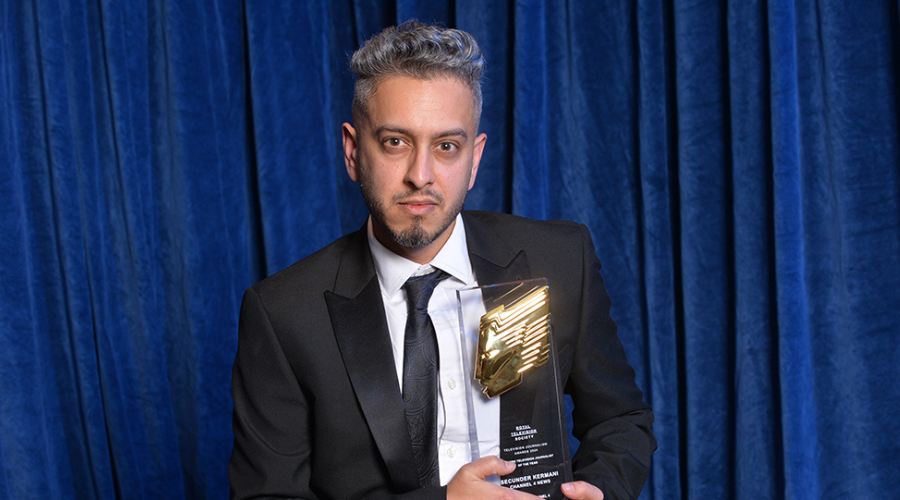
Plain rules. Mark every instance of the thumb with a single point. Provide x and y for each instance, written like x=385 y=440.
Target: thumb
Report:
x=489 y=466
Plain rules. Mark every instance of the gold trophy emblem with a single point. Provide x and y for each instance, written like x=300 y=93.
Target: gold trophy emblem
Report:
x=512 y=339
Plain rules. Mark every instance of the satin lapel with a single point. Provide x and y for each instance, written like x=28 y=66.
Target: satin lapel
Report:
x=493 y=260
x=360 y=328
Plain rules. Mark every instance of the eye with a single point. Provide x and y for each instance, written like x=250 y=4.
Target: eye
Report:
x=447 y=147
x=393 y=142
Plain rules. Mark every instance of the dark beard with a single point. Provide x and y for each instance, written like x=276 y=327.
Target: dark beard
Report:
x=415 y=235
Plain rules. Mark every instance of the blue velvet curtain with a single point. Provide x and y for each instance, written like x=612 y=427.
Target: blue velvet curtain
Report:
x=738 y=164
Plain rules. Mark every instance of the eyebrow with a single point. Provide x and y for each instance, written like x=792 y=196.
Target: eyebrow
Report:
x=454 y=132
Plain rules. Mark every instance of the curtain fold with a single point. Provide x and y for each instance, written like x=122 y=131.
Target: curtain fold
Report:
x=737 y=163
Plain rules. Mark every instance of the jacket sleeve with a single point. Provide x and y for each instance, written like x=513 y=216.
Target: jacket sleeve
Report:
x=610 y=417
x=271 y=456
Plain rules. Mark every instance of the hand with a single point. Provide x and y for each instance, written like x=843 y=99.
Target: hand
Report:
x=469 y=483
x=580 y=490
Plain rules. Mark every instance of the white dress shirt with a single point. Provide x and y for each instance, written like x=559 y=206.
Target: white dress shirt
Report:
x=452 y=425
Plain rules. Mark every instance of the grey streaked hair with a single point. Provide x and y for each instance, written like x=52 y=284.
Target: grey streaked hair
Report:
x=418 y=50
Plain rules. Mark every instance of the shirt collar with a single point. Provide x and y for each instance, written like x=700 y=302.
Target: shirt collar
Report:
x=393 y=270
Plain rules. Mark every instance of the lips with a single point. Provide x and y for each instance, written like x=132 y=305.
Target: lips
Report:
x=419 y=201
x=418 y=206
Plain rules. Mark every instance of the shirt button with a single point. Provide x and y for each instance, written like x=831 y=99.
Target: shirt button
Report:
x=451 y=452
x=451 y=384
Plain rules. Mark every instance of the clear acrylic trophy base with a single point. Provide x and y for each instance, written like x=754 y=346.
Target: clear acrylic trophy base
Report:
x=508 y=327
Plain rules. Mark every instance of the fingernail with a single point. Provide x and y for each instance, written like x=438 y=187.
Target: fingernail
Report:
x=568 y=488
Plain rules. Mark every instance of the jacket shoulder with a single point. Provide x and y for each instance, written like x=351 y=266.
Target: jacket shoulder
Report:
x=515 y=226
x=314 y=272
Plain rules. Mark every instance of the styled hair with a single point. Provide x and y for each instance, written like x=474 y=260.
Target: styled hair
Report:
x=419 y=50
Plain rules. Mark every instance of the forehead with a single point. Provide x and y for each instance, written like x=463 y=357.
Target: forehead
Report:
x=420 y=104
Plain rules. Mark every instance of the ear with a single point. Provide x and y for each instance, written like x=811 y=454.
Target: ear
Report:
x=351 y=150
x=476 y=157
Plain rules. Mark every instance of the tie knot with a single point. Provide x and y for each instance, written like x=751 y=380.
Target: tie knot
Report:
x=419 y=289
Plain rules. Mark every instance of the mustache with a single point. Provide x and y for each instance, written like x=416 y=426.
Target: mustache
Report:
x=431 y=194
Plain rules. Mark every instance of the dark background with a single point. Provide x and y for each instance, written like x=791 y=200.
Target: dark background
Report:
x=738 y=164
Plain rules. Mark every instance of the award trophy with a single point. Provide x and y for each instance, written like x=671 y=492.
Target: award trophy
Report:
x=515 y=360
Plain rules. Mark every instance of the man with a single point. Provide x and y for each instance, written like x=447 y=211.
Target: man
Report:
x=321 y=375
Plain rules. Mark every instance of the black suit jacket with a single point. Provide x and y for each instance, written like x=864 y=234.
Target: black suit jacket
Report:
x=317 y=405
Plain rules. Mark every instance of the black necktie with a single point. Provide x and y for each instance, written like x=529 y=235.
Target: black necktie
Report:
x=420 y=366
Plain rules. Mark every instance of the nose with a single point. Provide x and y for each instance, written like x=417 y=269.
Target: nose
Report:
x=421 y=169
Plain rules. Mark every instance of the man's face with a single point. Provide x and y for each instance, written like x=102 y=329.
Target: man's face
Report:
x=415 y=154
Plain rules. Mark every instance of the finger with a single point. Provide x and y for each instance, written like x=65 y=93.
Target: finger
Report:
x=580 y=490
x=489 y=466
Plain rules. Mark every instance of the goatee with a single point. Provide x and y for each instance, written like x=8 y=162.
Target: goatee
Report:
x=414 y=235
